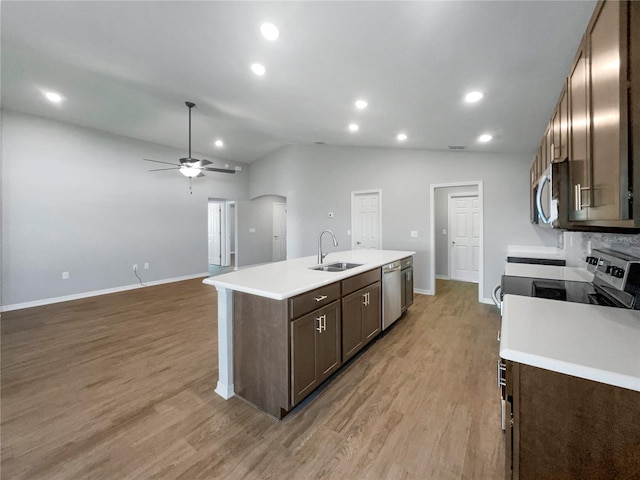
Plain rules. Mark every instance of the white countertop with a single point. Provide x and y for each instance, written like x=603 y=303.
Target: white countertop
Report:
x=531 y=251
x=281 y=280
x=552 y=272
x=587 y=341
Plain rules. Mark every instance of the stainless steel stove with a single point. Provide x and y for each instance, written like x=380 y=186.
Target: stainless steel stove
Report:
x=616 y=283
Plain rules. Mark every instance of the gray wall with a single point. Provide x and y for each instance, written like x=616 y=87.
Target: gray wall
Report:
x=83 y=201
x=319 y=179
x=256 y=247
x=441 y=221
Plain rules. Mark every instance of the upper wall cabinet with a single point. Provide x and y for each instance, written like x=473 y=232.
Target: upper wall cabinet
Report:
x=595 y=125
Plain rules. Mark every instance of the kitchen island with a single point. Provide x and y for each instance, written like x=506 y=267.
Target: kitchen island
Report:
x=271 y=315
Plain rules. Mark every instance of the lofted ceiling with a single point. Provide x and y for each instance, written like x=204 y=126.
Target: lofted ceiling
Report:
x=128 y=67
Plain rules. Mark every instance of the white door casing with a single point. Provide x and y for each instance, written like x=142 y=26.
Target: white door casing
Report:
x=366 y=219
x=279 y=231
x=214 y=237
x=225 y=234
x=464 y=236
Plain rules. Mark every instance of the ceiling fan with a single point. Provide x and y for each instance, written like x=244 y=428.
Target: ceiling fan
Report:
x=189 y=166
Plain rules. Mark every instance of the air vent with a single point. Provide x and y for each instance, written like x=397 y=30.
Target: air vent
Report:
x=319 y=143
x=457 y=147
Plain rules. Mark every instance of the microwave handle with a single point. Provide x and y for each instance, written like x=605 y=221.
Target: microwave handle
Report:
x=541 y=214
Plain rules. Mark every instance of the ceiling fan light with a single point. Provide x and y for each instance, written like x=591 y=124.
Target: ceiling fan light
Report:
x=189 y=171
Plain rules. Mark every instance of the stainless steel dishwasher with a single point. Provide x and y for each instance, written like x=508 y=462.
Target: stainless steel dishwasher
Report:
x=391 y=294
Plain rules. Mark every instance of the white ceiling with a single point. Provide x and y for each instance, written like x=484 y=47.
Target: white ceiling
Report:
x=128 y=67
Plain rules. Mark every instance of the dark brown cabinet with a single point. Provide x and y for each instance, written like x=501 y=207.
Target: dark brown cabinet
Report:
x=406 y=283
x=362 y=320
x=284 y=349
x=315 y=349
x=595 y=125
x=579 y=157
x=561 y=426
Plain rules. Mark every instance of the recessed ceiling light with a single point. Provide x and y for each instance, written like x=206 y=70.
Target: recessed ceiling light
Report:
x=219 y=143
x=258 y=69
x=485 y=138
x=473 y=97
x=361 y=104
x=402 y=137
x=353 y=127
x=53 y=97
x=269 y=31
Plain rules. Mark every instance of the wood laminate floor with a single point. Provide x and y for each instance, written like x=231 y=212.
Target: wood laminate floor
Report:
x=121 y=386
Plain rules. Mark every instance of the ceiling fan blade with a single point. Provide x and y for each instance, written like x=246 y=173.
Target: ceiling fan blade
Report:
x=200 y=175
x=204 y=162
x=158 y=161
x=162 y=169
x=221 y=170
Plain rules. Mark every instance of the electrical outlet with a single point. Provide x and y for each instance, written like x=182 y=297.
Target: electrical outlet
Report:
x=348 y=233
x=414 y=234
x=65 y=275
x=146 y=265
x=252 y=230
x=135 y=267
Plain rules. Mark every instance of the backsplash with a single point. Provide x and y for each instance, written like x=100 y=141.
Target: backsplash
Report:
x=578 y=245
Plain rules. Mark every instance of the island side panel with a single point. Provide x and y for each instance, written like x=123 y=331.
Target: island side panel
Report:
x=261 y=352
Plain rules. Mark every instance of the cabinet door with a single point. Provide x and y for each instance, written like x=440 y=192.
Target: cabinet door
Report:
x=352 y=324
x=328 y=342
x=371 y=318
x=532 y=190
x=303 y=356
x=579 y=120
x=409 y=287
x=608 y=113
x=561 y=142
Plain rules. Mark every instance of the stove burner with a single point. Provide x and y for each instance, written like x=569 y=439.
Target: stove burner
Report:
x=549 y=289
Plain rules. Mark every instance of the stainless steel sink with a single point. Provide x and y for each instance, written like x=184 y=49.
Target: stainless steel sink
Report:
x=336 y=267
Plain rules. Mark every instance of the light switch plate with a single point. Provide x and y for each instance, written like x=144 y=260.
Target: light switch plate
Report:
x=252 y=230
x=414 y=234
x=65 y=275
x=444 y=231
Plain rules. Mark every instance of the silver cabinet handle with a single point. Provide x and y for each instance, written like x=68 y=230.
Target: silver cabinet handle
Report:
x=501 y=368
x=320 y=298
x=322 y=323
x=578 y=189
x=498 y=336
x=365 y=299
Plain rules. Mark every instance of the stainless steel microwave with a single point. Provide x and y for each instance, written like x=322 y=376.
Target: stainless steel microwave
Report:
x=551 y=207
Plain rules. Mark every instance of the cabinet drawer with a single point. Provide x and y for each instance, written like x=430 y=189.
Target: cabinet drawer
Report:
x=357 y=282
x=307 y=302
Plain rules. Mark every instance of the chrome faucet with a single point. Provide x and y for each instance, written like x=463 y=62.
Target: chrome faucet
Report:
x=320 y=254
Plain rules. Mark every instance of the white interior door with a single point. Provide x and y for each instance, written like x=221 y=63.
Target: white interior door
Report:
x=366 y=220
x=279 y=232
x=464 y=230
x=214 y=233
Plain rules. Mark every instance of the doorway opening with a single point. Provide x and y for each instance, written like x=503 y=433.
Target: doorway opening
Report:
x=366 y=219
x=222 y=235
x=456 y=233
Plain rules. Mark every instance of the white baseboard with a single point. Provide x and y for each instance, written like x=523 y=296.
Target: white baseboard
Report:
x=423 y=292
x=95 y=293
x=443 y=277
x=488 y=301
